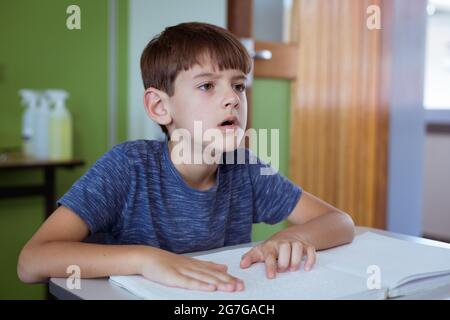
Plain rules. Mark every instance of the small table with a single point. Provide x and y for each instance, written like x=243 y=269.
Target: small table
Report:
x=17 y=161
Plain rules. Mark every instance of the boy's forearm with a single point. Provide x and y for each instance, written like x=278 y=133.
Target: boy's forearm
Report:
x=326 y=231
x=43 y=261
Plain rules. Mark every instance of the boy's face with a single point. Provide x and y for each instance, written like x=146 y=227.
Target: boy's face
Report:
x=208 y=96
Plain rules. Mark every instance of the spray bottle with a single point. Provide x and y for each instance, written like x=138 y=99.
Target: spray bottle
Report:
x=60 y=126
x=42 y=128
x=29 y=100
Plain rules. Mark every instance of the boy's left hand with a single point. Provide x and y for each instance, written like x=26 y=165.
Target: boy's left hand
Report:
x=282 y=252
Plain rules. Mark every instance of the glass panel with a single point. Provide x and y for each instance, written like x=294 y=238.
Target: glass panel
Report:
x=437 y=64
x=271 y=19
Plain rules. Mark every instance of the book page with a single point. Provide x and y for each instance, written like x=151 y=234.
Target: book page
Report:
x=339 y=272
x=398 y=260
x=319 y=283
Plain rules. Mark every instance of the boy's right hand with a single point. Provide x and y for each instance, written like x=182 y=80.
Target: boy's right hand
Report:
x=189 y=273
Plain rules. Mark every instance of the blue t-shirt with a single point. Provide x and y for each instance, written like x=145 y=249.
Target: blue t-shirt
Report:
x=135 y=195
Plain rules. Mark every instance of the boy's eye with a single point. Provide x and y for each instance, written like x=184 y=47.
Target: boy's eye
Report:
x=240 y=87
x=206 y=86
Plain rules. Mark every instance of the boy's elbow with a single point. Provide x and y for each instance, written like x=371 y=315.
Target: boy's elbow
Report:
x=349 y=227
x=25 y=270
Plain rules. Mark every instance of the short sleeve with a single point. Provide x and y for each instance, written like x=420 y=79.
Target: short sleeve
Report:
x=275 y=196
x=100 y=195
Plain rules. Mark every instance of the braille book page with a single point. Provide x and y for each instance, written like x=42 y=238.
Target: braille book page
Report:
x=343 y=272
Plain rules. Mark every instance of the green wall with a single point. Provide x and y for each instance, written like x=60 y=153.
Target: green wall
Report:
x=271 y=108
x=38 y=51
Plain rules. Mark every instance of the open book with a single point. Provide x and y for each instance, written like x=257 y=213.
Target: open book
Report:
x=371 y=267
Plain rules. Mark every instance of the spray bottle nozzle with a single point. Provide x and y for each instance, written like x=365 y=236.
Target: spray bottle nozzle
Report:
x=29 y=97
x=59 y=96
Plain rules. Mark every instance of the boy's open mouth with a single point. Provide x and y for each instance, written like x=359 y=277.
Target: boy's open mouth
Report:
x=229 y=123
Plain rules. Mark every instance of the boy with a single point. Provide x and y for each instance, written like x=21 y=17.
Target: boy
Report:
x=153 y=207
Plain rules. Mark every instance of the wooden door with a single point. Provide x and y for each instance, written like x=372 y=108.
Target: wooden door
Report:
x=340 y=108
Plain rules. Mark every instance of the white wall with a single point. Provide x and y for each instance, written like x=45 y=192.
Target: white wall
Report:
x=436 y=208
x=147 y=18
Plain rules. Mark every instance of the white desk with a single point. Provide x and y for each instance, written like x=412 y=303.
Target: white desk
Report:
x=102 y=289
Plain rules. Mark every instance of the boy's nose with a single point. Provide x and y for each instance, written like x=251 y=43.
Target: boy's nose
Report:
x=231 y=100
x=233 y=104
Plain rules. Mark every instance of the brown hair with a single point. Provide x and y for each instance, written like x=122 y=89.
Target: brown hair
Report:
x=182 y=46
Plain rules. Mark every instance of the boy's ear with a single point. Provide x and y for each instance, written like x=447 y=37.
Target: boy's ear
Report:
x=156 y=106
